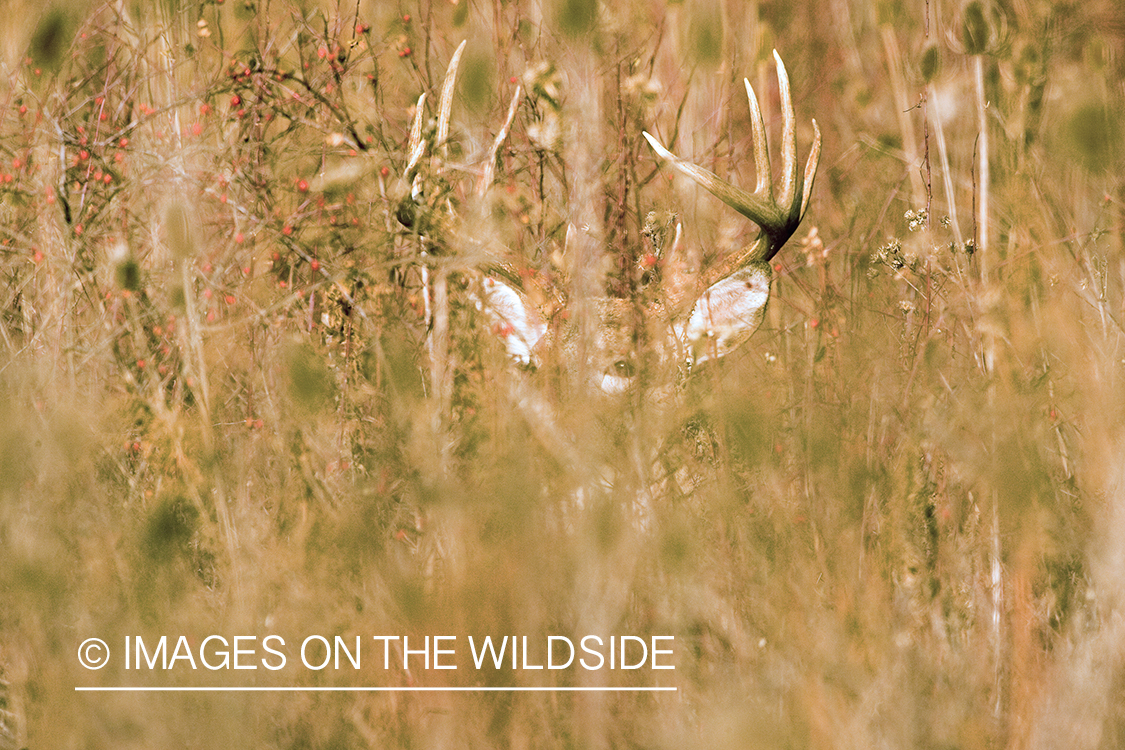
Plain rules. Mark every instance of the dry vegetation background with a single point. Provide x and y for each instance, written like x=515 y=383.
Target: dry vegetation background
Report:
x=895 y=519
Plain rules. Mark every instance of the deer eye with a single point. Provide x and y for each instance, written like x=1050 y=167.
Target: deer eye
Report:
x=405 y=213
x=624 y=368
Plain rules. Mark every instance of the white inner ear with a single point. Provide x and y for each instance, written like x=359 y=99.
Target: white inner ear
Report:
x=725 y=315
x=517 y=326
x=615 y=385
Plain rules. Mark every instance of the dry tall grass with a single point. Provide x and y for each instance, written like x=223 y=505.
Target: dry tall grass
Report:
x=896 y=518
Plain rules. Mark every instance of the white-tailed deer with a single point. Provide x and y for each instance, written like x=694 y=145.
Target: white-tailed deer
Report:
x=654 y=339
x=699 y=321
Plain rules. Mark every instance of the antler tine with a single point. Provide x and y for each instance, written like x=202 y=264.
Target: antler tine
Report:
x=761 y=148
x=788 y=137
x=417 y=145
x=754 y=206
x=446 y=105
x=810 y=170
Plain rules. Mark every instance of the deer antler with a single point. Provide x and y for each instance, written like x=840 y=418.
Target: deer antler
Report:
x=778 y=217
x=732 y=308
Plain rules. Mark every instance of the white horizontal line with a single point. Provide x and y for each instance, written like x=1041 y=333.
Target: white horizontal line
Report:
x=293 y=689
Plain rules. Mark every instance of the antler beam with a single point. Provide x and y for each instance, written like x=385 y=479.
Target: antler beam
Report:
x=778 y=217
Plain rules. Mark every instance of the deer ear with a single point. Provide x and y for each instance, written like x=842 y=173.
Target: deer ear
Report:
x=513 y=319
x=726 y=315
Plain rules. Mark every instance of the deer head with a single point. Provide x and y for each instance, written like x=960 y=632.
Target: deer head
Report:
x=698 y=326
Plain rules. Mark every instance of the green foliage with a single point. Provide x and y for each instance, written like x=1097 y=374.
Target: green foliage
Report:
x=975 y=32
x=1094 y=136
x=460 y=13
x=311 y=385
x=477 y=79
x=169 y=529
x=54 y=32
x=930 y=64
x=128 y=273
x=705 y=33
x=576 y=17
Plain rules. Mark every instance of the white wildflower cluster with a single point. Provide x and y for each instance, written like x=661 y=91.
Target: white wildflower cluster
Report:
x=893 y=257
x=916 y=220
